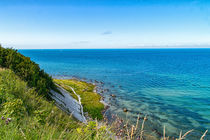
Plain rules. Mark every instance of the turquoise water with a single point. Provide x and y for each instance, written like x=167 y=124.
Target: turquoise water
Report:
x=171 y=86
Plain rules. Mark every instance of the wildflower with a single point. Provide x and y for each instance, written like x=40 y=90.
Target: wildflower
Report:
x=2 y=118
x=7 y=122
x=9 y=119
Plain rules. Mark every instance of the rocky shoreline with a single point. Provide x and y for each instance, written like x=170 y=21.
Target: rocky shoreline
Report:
x=109 y=117
x=99 y=89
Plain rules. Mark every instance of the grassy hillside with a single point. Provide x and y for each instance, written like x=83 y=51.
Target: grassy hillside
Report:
x=28 y=70
x=26 y=113
x=90 y=100
x=32 y=117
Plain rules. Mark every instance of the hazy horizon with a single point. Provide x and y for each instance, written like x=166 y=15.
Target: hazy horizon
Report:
x=141 y=47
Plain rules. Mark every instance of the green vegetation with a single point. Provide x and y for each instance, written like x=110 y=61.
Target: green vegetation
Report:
x=33 y=117
x=28 y=70
x=89 y=99
x=26 y=114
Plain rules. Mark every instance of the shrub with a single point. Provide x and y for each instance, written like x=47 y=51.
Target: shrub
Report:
x=27 y=70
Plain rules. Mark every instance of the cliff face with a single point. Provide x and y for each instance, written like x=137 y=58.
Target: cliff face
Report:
x=68 y=104
x=84 y=93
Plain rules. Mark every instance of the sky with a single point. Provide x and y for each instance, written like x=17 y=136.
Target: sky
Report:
x=66 y=24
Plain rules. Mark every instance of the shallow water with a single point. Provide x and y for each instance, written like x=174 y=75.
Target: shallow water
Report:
x=171 y=86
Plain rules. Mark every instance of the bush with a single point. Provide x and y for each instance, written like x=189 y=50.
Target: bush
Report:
x=27 y=70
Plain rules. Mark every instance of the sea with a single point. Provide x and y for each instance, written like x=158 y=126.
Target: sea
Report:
x=169 y=86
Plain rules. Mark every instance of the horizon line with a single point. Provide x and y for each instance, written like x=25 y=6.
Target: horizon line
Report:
x=104 y=48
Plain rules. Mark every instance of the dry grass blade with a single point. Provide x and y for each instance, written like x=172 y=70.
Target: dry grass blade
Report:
x=137 y=122
x=127 y=129
x=186 y=133
x=183 y=137
x=132 y=132
x=164 y=132
x=180 y=135
x=142 y=128
x=202 y=138
x=24 y=136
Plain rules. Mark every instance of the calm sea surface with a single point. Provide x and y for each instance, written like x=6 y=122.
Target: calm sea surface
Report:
x=171 y=86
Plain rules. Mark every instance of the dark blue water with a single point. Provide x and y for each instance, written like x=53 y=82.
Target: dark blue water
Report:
x=171 y=86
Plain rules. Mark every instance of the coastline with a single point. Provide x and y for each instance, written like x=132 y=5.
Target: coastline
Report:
x=110 y=118
x=85 y=93
x=100 y=90
x=120 y=125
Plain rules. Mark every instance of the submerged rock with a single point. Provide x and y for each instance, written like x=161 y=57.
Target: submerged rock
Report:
x=102 y=98
x=106 y=107
x=113 y=95
x=125 y=109
x=106 y=90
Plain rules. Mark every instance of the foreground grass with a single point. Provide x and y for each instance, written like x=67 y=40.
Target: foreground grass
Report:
x=89 y=99
x=27 y=115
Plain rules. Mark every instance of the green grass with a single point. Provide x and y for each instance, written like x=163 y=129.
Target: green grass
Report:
x=27 y=70
x=34 y=117
x=89 y=99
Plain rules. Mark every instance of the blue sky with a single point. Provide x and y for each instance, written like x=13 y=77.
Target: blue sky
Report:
x=35 y=24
